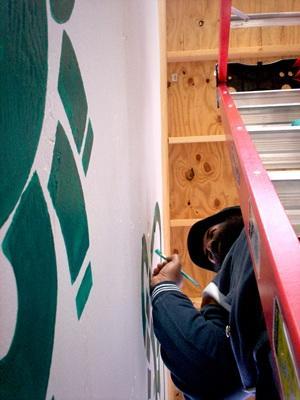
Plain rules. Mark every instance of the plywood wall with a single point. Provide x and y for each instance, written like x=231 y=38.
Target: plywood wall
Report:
x=200 y=180
x=199 y=172
x=192 y=105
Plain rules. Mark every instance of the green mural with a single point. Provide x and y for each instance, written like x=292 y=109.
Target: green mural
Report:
x=155 y=369
x=84 y=291
x=71 y=90
x=23 y=81
x=61 y=10
x=28 y=243
x=87 y=148
x=24 y=371
x=67 y=197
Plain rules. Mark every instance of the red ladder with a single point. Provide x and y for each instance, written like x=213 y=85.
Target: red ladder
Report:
x=270 y=224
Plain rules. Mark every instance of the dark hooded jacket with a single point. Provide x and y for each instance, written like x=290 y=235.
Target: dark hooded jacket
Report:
x=222 y=351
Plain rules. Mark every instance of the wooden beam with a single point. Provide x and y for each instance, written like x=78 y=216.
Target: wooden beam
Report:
x=235 y=53
x=196 y=139
x=183 y=222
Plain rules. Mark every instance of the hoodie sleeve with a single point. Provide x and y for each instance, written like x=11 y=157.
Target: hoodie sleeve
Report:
x=193 y=342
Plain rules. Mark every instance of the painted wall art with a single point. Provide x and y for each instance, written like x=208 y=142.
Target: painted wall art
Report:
x=76 y=145
x=155 y=372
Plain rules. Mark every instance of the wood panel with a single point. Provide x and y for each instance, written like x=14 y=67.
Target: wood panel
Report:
x=192 y=104
x=281 y=35
x=278 y=51
x=178 y=245
x=201 y=181
x=266 y=36
x=192 y=24
x=246 y=37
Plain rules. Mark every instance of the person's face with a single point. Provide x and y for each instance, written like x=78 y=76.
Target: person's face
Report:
x=219 y=238
x=212 y=243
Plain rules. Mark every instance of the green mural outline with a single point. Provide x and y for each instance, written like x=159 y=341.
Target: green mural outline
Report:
x=150 y=342
x=61 y=10
x=156 y=222
x=25 y=370
x=22 y=373
x=84 y=290
x=66 y=192
x=144 y=267
x=71 y=90
x=87 y=147
x=23 y=84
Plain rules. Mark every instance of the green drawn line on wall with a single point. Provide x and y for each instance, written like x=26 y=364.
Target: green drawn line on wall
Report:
x=71 y=90
x=61 y=10
x=29 y=247
x=23 y=82
x=87 y=147
x=156 y=222
x=156 y=385
x=67 y=196
x=144 y=272
x=84 y=291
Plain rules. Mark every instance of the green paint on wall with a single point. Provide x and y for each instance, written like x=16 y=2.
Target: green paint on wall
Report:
x=84 y=291
x=23 y=81
x=71 y=90
x=29 y=247
x=87 y=148
x=156 y=383
x=66 y=192
x=145 y=284
x=61 y=10
x=156 y=223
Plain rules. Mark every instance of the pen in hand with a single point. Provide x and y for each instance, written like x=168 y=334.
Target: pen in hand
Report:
x=184 y=274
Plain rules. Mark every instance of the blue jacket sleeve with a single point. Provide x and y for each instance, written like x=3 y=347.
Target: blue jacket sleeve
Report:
x=194 y=345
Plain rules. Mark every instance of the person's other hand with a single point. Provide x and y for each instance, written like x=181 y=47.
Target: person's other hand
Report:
x=167 y=271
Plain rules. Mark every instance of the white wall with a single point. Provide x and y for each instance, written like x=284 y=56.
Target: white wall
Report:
x=102 y=354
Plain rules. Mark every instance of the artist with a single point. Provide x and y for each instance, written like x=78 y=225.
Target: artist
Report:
x=222 y=351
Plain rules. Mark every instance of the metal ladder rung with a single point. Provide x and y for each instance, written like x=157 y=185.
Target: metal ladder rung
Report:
x=283 y=176
x=263 y=97
x=283 y=129
x=278 y=150
x=270 y=113
x=287 y=186
x=294 y=217
x=243 y=20
x=280 y=161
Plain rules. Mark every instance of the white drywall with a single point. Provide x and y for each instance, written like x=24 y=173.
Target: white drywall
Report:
x=102 y=354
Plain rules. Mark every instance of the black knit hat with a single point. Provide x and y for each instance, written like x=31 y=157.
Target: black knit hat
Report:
x=197 y=231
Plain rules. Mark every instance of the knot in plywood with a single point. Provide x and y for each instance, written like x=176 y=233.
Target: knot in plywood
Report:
x=190 y=174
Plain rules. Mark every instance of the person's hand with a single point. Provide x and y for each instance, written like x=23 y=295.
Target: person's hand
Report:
x=167 y=271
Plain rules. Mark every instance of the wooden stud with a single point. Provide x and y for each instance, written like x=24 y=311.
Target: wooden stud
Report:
x=262 y=51
x=196 y=139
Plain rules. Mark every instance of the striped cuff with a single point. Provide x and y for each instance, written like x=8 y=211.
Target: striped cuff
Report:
x=164 y=287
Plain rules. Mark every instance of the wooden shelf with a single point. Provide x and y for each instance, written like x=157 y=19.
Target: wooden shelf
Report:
x=234 y=53
x=196 y=139
x=182 y=222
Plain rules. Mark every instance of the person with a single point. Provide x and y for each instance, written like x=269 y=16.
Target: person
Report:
x=221 y=351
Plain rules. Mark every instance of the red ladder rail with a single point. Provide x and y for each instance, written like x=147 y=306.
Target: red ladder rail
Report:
x=272 y=241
